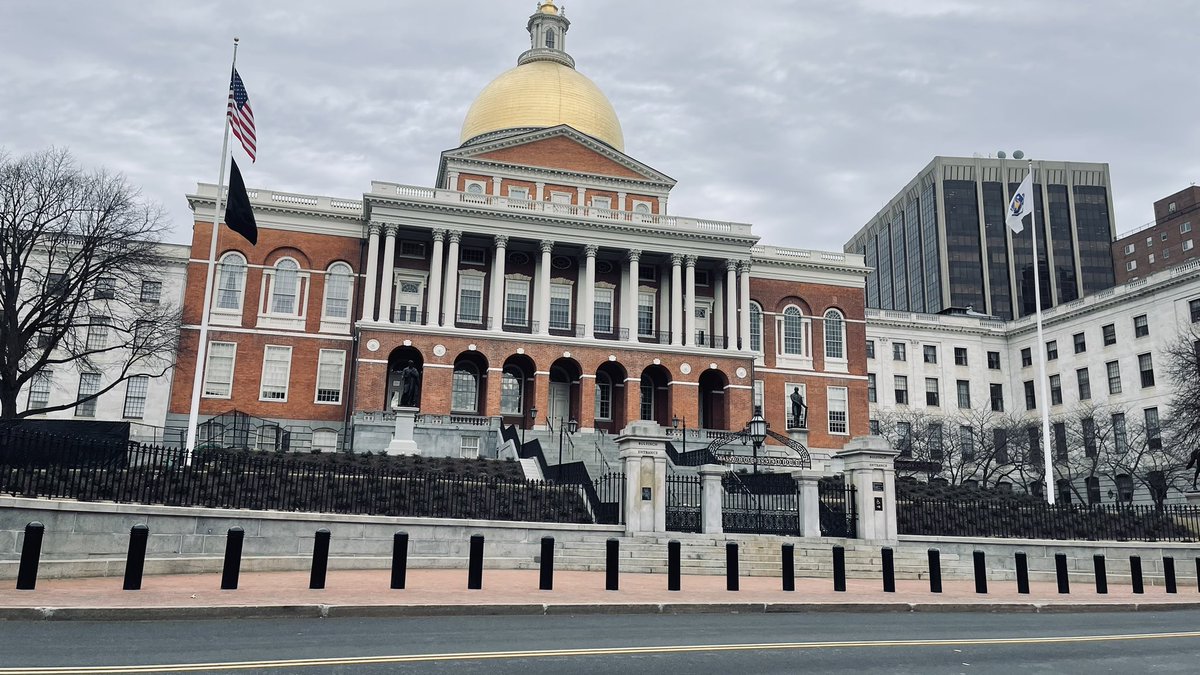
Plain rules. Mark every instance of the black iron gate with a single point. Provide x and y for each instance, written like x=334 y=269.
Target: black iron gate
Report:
x=683 y=503
x=767 y=503
x=839 y=514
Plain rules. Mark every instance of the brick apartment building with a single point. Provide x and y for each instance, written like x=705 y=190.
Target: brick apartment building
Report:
x=1165 y=242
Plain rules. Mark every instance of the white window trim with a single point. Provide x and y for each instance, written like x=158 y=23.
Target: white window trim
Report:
x=642 y=217
x=610 y=291
x=837 y=364
x=520 y=279
x=341 y=377
x=263 y=375
x=482 y=188
x=570 y=286
x=296 y=321
x=637 y=312
x=223 y=316
x=606 y=382
x=829 y=410
x=336 y=324
x=422 y=279
x=523 y=192
x=208 y=370
x=803 y=360
x=471 y=274
x=787 y=402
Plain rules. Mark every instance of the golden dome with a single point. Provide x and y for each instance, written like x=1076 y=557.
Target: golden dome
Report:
x=548 y=7
x=543 y=94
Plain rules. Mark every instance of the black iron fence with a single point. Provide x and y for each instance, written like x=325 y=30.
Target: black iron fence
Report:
x=609 y=507
x=839 y=508
x=762 y=503
x=987 y=518
x=683 y=503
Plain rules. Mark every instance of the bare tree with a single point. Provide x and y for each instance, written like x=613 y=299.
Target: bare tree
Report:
x=75 y=247
x=1183 y=367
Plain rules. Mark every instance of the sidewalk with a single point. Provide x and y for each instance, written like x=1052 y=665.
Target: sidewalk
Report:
x=444 y=592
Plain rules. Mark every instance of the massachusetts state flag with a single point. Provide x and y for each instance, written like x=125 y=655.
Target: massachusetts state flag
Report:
x=241 y=116
x=1021 y=204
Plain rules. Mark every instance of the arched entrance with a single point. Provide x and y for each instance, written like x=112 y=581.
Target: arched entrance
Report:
x=712 y=405
x=655 y=396
x=564 y=391
x=397 y=361
x=468 y=386
x=517 y=390
x=610 y=397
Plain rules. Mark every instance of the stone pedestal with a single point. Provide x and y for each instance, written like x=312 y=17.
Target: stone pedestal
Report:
x=799 y=435
x=402 y=441
x=810 y=502
x=1193 y=497
x=869 y=462
x=711 y=493
x=643 y=452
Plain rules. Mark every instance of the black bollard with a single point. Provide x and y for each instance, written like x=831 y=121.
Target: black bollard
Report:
x=935 y=571
x=31 y=553
x=1198 y=574
x=320 y=559
x=789 y=567
x=233 y=559
x=1022 y=573
x=839 y=568
x=612 y=550
x=1169 y=574
x=1060 y=573
x=546 y=576
x=135 y=561
x=980 y=573
x=731 y=566
x=1101 y=574
x=673 y=565
x=1135 y=574
x=889 y=571
x=399 y=559
x=475 y=564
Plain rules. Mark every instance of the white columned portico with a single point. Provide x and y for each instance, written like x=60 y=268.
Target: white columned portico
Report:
x=744 y=305
x=587 y=292
x=676 y=299
x=689 y=300
x=541 y=295
x=731 y=295
x=389 y=273
x=496 y=296
x=450 y=282
x=629 y=300
x=369 y=290
x=434 y=310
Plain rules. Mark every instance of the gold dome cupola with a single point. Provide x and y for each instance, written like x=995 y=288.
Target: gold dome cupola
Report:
x=547 y=36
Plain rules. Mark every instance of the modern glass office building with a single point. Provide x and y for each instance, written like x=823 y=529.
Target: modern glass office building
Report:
x=941 y=242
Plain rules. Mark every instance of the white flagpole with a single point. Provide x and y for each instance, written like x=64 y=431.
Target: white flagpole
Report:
x=1041 y=349
x=202 y=346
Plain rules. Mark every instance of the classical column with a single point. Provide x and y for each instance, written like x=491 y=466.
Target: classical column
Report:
x=496 y=186
x=450 y=280
x=389 y=273
x=689 y=301
x=676 y=299
x=629 y=298
x=539 y=189
x=496 y=296
x=587 y=292
x=731 y=295
x=541 y=295
x=452 y=180
x=369 y=297
x=434 y=302
x=744 y=305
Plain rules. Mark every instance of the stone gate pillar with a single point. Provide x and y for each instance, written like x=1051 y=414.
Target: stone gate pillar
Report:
x=810 y=502
x=711 y=494
x=869 y=465
x=643 y=452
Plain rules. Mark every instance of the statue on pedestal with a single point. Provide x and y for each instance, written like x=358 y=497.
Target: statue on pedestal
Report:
x=799 y=410
x=410 y=386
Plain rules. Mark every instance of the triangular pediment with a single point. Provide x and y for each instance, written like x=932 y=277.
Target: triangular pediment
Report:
x=560 y=148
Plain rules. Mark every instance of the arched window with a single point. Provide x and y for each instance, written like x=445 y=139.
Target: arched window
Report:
x=231 y=281
x=603 y=397
x=512 y=383
x=550 y=39
x=756 y=327
x=337 y=291
x=475 y=188
x=834 y=335
x=793 y=331
x=284 y=287
x=464 y=393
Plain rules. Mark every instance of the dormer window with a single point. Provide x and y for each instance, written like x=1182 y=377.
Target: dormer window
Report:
x=550 y=39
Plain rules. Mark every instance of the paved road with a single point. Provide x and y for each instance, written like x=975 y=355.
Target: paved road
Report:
x=693 y=644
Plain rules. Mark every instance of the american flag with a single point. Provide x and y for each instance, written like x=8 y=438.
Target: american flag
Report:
x=241 y=116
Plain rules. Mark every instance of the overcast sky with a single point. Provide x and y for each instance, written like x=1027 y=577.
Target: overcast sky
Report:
x=802 y=118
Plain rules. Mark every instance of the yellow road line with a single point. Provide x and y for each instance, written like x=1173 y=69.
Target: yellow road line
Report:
x=607 y=651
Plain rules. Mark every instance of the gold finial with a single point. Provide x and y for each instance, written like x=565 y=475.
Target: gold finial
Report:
x=547 y=7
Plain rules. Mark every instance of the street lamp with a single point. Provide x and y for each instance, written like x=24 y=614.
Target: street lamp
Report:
x=675 y=421
x=531 y=414
x=757 y=430
x=570 y=428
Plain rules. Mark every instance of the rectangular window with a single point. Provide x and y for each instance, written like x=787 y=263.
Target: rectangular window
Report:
x=647 y=273
x=1080 y=341
x=929 y=353
x=412 y=249
x=135 y=397
x=1130 y=248
x=518 y=193
x=1131 y=265
x=1141 y=327
x=469 y=447
x=1187 y=244
x=899 y=352
x=933 y=434
x=1120 y=439
x=996 y=393
x=39 y=388
x=325 y=440
x=964 y=393
x=1146 y=367
x=1184 y=228
x=516 y=302
x=603 y=310
x=1114 y=377
x=647 y=401
x=1088 y=426
x=1085 y=384
x=1153 y=431
x=603 y=400
x=151 y=291
x=1052 y=350
x=646 y=314
x=218 y=369
x=960 y=356
x=56 y=284
x=331 y=367
x=837 y=399
x=872 y=394
x=470 y=298
x=89 y=384
x=1110 y=334
x=993 y=360
x=1033 y=436
x=932 y=396
x=901 y=389
x=106 y=289
x=560 y=306
x=97 y=335
x=871 y=343
x=966 y=443
x=1194 y=309
x=1060 y=441
x=1000 y=445
x=472 y=256
x=276 y=372
x=758 y=394
x=1026 y=357
x=1055 y=390
x=1030 y=396
x=873 y=427
x=904 y=438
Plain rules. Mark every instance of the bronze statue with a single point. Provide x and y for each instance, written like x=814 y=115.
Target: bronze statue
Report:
x=410 y=386
x=799 y=410
x=1194 y=460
